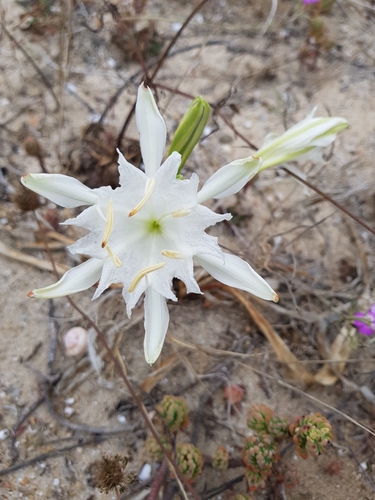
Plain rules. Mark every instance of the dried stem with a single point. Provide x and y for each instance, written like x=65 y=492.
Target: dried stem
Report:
x=34 y=65
x=332 y=201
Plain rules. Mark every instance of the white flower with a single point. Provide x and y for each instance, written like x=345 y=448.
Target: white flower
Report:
x=305 y=139
x=145 y=232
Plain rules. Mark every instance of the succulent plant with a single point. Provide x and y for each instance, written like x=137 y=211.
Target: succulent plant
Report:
x=278 y=427
x=259 y=417
x=190 y=461
x=153 y=449
x=220 y=459
x=174 y=412
x=311 y=434
x=289 y=475
x=256 y=479
x=259 y=452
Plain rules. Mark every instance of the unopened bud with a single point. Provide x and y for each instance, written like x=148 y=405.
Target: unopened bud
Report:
x=190 y=129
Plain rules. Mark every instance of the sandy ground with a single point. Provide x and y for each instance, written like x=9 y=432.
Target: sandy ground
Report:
x=319 y=260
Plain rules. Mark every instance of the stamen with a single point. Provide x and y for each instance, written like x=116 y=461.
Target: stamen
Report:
x=181 y=213
x=117 y=262
x=149 y=189
x=171 y=254
x=109 y=223
x=143 y=273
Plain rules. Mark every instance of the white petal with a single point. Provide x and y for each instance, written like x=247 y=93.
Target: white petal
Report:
x=152 y=130
x=235 y=272
x=229 y=179
x=129 y=174
x=156 y=324
x=61 y=189
x=75 y=280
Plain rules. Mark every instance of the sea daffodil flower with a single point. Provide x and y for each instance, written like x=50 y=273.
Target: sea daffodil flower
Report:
x=306 y=138
x=145 y=232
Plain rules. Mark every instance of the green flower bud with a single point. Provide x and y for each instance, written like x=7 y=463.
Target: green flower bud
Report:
x=190 y=129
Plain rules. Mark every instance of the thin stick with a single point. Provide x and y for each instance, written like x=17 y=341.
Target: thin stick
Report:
x=328 y=198
x=54 y=453
x=176 y=37
x=34 y=65
x=29 y=259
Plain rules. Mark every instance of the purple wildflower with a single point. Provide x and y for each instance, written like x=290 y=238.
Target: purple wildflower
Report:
x=308 y=2
x=366 y=326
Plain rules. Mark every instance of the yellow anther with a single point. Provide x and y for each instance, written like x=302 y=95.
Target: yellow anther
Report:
x=117 y=262
x=171 y=254
x=181 y=213
x=149 y=189
x=109 y=223
x=143 y=273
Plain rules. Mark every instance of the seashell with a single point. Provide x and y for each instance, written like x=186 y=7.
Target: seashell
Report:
x=76 y=341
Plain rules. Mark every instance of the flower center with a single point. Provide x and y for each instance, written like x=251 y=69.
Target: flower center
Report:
x=154 y=226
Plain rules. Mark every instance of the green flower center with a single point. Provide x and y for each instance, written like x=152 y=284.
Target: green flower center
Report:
x=155 y=227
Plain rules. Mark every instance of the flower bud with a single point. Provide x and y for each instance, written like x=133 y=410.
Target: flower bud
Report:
x=307 y=137
x=190 y=129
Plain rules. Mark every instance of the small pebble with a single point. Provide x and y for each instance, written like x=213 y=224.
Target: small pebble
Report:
x=76 y=341
x=111 y=62
x=68 y=411
x=145 y=474
x=4 y=433
x=176 y=26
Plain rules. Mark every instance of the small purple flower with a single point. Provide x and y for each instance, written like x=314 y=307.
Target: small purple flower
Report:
x=367 y=325
x=308 y=2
